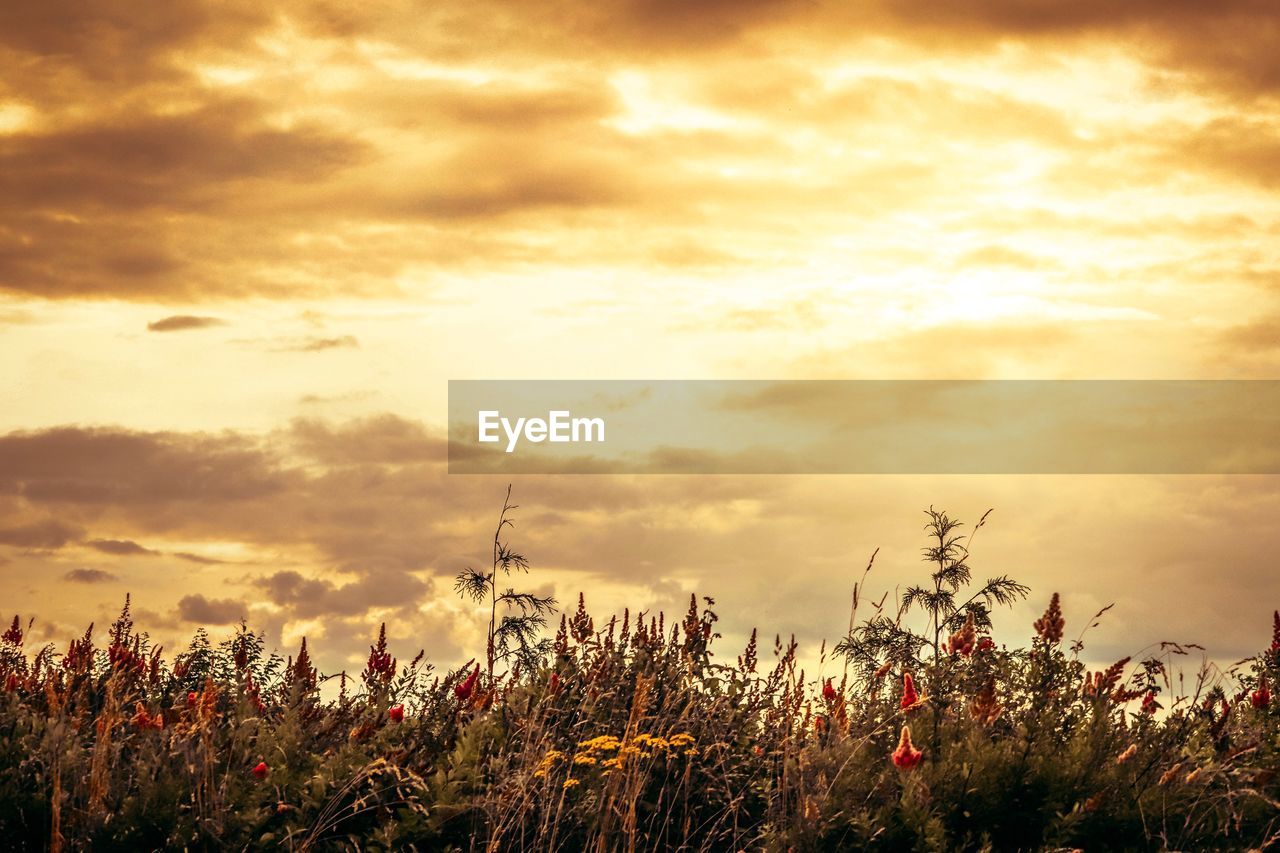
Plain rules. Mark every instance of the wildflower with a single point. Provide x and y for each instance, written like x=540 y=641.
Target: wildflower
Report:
x=571 y=783
x=963 y=641
x=1261 y=698
x=396 y=713
x=906 y=756
x=829 y=692
x=193 y=698
x=381 y=666
x=1149 y=703
x=1275 y=632
x=142 y=719
x=1193 y=776
x=883 y=670
x=260 y=771
x=11 y=683
x=1049 y=627
x=1127 y=754
x=13 y=636
x=1171 y=774
x=584 y=759
x=986 y=644
x=984 y=707
x=553 y=685
x=464 y=689
x=910 y=698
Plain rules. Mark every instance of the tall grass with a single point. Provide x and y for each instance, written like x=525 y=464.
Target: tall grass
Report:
x=630 y=733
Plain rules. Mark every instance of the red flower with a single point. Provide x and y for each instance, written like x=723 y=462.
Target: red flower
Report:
x=829 y=692
x=906 y=756
x=1261 y=698
x=396 y=713
x=464 y=689
x=11 y=683
x=1149 y=703
x=910 y=698
x=553 y=685
x=986 y=644
x=193 y=698
x=260 y=771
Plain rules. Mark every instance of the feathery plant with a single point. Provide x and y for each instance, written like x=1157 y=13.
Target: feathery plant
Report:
x=947 y=601
x=517 y=634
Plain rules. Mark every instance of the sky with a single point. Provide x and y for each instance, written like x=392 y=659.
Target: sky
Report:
x=244 y=246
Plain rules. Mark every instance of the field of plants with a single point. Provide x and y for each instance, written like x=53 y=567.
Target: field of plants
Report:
x=639 y=731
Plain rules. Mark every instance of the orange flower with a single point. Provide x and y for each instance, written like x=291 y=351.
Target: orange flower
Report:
x=963 y=641
x=143 y=720
x=906 y=756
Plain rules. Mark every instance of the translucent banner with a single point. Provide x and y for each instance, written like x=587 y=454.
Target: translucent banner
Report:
x=864 y=427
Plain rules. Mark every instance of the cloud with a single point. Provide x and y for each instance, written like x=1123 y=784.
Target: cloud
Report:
x=80 y=466
x=119 y=547
x=126 y=201
x=182 y=322
x=47 y=534
x=198 y=559
x=211 y=611
x=322 y=344
x=87 y=575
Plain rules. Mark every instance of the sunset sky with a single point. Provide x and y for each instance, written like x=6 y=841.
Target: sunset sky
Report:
x=243 y=247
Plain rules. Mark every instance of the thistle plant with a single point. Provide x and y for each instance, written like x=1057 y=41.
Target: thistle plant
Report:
x=516 y=619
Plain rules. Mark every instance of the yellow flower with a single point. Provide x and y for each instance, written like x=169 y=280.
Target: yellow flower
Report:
x=583 y=759
x=570 y=783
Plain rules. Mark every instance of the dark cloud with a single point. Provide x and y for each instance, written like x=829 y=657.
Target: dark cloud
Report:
x=73 y=465
x=308 y=598
x=1234 y=43
x=182 y=322
x=87 y=575
x=106 y=38
x=198 y=559
x=48 y=534
x=119 y=547
x=122 y=203
x=211 y=611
